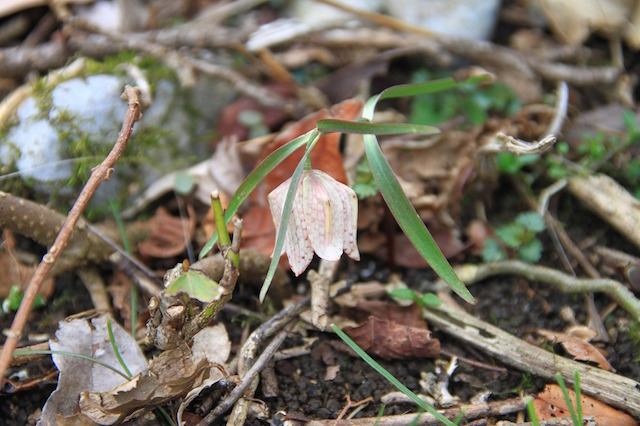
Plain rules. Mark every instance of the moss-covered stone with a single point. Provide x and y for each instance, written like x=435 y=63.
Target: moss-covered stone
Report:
x=63 y=131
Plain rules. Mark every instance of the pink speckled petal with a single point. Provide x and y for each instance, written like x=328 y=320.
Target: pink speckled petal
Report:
x=350 y=201
x=324 y=213
x=298 y=246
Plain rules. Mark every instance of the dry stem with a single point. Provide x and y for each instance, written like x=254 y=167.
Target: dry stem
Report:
x=98 y=175
x=468 y=412
x=613 y=389
x=470 y=274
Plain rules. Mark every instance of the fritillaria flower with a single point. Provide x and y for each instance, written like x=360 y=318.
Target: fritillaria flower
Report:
x=323 y=219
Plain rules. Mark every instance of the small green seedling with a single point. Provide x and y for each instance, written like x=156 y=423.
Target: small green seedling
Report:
x=427 y=299
x=474 y=102
x=364 y=183
x=518 y=236
x=12 y=302
x=511 y=164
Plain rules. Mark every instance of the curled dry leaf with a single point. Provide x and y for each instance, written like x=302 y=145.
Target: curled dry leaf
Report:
x=550 y=404
x=171 y=374
x=580 y=349
x=213 y=344
x=391 y=340
x=88 y=338
x=167 y=237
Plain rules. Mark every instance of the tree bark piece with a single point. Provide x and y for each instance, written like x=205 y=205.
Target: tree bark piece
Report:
x=613 y=389
x=613 y=203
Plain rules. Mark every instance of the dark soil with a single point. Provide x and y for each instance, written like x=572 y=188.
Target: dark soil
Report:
x=513 y=304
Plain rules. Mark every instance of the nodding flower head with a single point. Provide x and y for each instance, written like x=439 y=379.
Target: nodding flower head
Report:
x=323 y=219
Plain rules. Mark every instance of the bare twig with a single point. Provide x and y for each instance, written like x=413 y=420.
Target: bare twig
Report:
x=609 y=200
x=464 y=412
x=89 y=244
x=249 y=350
x=98 y=175
x=470 y=274
x=247 y=379
x=613 y=389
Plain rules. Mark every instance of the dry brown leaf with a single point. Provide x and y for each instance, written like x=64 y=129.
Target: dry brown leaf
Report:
x=390 y=340
x=171 y=374
x=167 y=237
x=406 y=315
x=440 y=165
x=550 y=404
x=582 y=332
x=90 y=338
x=580 y=349
x=572 y=21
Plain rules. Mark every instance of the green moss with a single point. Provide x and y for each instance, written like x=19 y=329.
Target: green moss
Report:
x=110 y=64
x=42 y=96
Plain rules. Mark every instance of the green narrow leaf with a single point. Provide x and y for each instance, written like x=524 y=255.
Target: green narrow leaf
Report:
x=257 y=176
x=405 y=90
x=408 y=219
x=26 y=352
x=116 y=350
x=567 y=399
x=286 y=213
x=384 y=373
x=578 y=392
x=196 y=286
x=360 y=127
x=533 y=417
x=403 y=293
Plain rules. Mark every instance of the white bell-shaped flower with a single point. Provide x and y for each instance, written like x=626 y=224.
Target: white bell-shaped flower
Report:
x=323 y=219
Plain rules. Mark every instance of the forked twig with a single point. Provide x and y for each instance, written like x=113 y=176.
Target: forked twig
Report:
x=98 y=175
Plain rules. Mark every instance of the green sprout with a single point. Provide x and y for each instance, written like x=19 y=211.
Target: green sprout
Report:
x=12 y=302
x=518 y=236
x=425 y=300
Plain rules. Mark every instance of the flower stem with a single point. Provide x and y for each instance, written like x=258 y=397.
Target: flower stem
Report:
x=221 y=226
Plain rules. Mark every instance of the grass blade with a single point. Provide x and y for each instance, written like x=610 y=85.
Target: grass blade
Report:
x=21 y=352
x=576 y=390
x=567 y=399
x=408 y=218
x=116 y=351
x=257 y=176
x=405 y=90
x=384 y=373
x=533 y=417
x=361 y=127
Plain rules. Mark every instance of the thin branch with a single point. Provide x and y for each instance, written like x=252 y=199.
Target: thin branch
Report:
x=247 y=379
x=610 y=388
x=248 y=353
x=470 y=274
x=464 y=412
x=98 y=175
